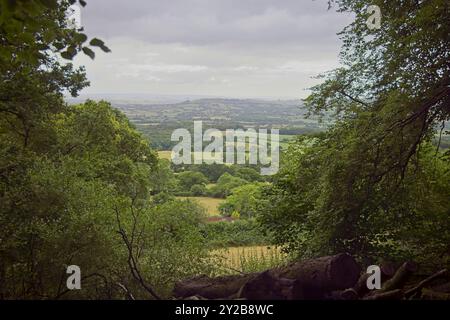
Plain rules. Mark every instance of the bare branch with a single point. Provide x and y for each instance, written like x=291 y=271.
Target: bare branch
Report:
x=353 y=98
x=132 y=263
x=127 y=291
x=424 y=282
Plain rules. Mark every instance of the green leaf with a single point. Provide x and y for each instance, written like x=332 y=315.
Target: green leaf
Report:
x=80 y=37
x=58 y=45
x=99 y=43
x=72 y=50
x=105 y=49
x=96 y=42
x=66 y=55
x=69 y=53
x=89 y=52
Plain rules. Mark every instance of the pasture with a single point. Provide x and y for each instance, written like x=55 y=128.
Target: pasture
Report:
x=211 y=205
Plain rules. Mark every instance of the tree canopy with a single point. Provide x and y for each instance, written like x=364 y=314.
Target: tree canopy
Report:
x=365 y=186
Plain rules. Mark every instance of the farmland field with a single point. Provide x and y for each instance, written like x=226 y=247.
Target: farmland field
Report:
x=250 y=259
x=165 y=154
x=284 y=141
x=211 y=205
x=157 y=121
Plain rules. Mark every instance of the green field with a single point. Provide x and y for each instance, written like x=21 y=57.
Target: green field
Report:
x=284 y=141
x=211 y=205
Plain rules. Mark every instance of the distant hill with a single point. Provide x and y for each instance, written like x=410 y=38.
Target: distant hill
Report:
x=228 y=113
x=158 y=120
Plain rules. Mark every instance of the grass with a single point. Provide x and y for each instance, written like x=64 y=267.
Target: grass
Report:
x=211 y=205
x=249 y=259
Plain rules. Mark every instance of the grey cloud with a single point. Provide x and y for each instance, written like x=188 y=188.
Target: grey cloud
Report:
x=211 y=47
x=205 y=22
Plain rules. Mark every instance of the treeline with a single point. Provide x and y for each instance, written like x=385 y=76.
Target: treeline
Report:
x=215 y=180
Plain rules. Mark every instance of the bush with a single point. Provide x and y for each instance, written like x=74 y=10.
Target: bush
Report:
x=247 y=173
x=198 y=190
x=225 y=185
x=171 y=244
x=244 y=200
x=187 y=179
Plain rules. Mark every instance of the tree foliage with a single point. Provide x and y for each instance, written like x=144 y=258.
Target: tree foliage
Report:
x=225 y=185
x=372 y=185
x=78 y=184
x=244 y=200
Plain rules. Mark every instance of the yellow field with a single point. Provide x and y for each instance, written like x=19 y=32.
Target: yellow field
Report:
x=165 y=155
x=205 y=156
x=250 y=259
x=211 y=205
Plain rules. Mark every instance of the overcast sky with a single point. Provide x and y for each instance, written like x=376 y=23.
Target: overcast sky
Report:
x=227 y=48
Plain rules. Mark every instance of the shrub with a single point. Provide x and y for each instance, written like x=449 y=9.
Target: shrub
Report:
x=198 y=190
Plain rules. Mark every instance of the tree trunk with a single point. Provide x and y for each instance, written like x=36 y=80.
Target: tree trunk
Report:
x=309 y=279
x=400 y=277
